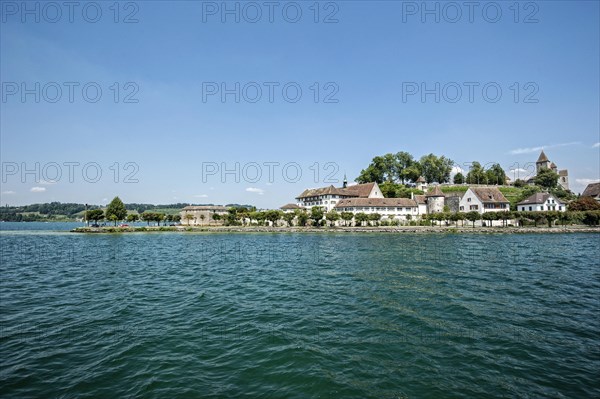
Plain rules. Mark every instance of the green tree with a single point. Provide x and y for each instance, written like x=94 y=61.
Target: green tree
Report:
x=316 y=214
x=116 y=210
x=332 y=217
x=95 y=215
x=202 y=217
x=374 y=218
x=215 y=216
x=519 y=183
x=133 y=217
x=360 y=218
x=459 y=178
x=289 y=218
x=496 y=175
x=546 y=178
x=273 y=216
x=302 y=216
x=404 y=167
x=436 y=169
x=472 y=216
x=551 y=216
x=148 y=217
x=347 y=217
x=189 y=217
x=476 y=174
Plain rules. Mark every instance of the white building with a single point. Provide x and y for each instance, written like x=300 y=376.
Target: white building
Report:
x=388 y=208
x=484 y=199
x=328 y=197
x=541 y=202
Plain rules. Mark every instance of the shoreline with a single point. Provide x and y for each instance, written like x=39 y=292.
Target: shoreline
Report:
x=325 y=230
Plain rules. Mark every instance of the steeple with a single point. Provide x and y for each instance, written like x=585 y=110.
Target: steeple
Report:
x=345 y=181
x=542 y=158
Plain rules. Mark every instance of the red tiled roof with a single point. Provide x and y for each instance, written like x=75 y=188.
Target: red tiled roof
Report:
x=358 y=190
x=489 y=195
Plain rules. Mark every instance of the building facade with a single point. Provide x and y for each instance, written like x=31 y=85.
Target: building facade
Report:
x=541 y=202
x=328 y=197
x=484 y=199
x=388 y=208
x=202 y=215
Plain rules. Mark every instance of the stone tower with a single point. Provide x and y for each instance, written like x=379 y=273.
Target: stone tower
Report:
x=542 y=162
x=435 y=200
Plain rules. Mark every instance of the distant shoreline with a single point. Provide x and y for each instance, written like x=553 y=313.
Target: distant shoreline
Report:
x=388 y=230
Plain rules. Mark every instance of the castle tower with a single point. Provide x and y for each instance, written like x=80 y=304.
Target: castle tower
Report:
x=345 y=185
x=421 y=184
x=435 y=200
x=542 y=162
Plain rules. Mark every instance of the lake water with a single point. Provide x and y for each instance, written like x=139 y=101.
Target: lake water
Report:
x=178 y=315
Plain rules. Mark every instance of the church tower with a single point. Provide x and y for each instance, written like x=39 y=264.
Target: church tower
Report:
x=542 y=162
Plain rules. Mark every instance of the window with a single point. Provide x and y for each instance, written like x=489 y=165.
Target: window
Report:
x=529 y=208
x=474 y=207
x=560 y=208
x=468 y=199
x=462 y=208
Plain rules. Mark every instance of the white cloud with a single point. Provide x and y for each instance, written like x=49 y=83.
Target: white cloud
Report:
x=528 y=150
x=258 y=191
x=456 y=169
x=200 y=196
x=585 y=182
x=10 y=192
x=38 y=189
x=596 y=145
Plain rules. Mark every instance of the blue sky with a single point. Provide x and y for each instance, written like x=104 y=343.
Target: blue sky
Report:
x=174 y=142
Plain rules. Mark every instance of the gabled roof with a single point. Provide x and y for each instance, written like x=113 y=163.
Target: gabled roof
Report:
x=421 y=179
x=553 y=165
x=290 y=206
x=543 y=157
x=592 y=190
x=489 y=195
x=376 y=202
x=358 y=190
x=420 y=199
x=436 y=192
x=563 y=172
x=538 y=198
x=361 y=190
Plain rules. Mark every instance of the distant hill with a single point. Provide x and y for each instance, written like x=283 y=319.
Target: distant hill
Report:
x=57 y=211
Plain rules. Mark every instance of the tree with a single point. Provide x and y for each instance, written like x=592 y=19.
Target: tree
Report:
x=95 y=215
x=375 y=218
x=404 y=167
x=360 y=218
x=476 y=174
x=332 y=216
x=347 y=217
x=316 y=214
x=189 y=217
x=116 y=210
x=133 y=217
x=273 y=216
x=289 y=218
x=584 y=204
x=591 y=218
x=148 y=217
x=472 y=216
x=459 y=178
x=551 y=216
x=546 y=178
x=202 y=217
x=496 y=175
x=490 y=217
x=519 y=183
x=215 y=216
x=436 y=169
x=302 y=216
